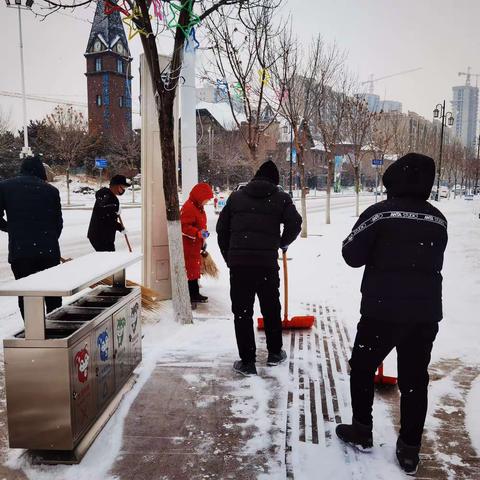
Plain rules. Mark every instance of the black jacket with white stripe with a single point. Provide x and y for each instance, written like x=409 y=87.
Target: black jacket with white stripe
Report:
x=401 y=242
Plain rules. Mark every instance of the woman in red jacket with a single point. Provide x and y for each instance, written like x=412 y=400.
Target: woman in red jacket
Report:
x=194 y=231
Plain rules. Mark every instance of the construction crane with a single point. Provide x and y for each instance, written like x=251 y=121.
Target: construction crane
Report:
x=372 y=80
x=38 y=98
x=469 y=74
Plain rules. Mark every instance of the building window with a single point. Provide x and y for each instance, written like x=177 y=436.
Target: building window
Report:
x=99 y=100
x=98 y=64
x=119 y=65
x=121 y=102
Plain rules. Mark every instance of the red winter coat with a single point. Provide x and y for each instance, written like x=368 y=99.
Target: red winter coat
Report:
x=194 y=220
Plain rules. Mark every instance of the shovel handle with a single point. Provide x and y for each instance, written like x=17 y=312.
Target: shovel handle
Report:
x=125 y=235
x=285 y=286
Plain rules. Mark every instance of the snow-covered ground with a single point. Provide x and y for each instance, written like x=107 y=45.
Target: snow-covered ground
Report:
x=317 y=275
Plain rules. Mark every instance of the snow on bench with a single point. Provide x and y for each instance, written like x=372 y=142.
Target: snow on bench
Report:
x=65 y=280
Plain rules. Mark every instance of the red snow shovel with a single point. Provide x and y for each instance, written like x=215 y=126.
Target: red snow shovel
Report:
x=300 y=321
x=381 y=379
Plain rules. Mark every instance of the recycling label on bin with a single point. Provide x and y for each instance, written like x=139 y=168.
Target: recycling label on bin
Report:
x=135 y=332
x=82 y=385
x=120 y=326
x=104 y=362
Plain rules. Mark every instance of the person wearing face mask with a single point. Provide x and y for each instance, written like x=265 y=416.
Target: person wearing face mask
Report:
x=105 y=223
x=194 y=233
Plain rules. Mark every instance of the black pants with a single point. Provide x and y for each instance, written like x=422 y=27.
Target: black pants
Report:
x=193 y=289
x=245 y=283
x=25 y=267
x=374 y=341
x=102 y=246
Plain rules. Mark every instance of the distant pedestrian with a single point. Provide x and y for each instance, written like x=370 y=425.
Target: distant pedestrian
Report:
x=105 y=223
x=34 y=223
x=249 y=236
x=194 y=233
x=401 y=242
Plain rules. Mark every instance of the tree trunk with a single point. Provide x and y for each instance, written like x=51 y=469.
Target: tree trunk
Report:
x=180 y=296
x=303 y=201
x=356 y=170
x=68 y=186
x=330 y=166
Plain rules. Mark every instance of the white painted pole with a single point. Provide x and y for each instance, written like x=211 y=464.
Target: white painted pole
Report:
x=188 y=121
x=26 y=149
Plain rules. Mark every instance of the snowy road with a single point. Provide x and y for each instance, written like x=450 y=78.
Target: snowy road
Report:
x=74 y=242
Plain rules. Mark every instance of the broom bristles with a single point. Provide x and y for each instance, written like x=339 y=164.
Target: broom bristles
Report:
x=208 y=266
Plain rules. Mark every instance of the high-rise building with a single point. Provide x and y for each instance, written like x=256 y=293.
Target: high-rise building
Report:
x=376 y=105
x=464 y=109
x=108 y=75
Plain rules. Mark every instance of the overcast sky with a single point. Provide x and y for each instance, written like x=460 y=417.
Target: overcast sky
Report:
x=382 y=37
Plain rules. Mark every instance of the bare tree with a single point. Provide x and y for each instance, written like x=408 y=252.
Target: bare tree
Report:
x=295 y=79
x=222 y=159
x=243 y=56
x=335 y=87
x=125 y=150
x=164 y=84
x=359 y=123
x=381 y=141
x=67 y=139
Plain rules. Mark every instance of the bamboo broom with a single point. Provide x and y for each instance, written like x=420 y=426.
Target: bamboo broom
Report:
x=207 y=265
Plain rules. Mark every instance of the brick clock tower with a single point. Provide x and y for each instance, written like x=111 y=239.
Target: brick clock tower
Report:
x=109 y=79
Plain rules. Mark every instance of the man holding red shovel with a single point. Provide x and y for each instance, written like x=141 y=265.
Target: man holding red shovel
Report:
x=401 y=242
x=105 y=223
x=249 y=236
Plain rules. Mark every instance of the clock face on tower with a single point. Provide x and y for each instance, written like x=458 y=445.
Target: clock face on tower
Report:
x=97 y=46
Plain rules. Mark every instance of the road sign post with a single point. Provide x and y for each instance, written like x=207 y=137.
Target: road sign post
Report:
x=101 y=163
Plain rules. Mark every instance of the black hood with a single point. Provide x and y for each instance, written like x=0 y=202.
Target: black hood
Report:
x=410 y=176
x=268 y=171
x=260 y=188
x=33 y=167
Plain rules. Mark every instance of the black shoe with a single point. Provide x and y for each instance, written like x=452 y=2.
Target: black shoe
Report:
x=407 y=456
x=246 y=369
x=199 y=299
x=356 y=434
x=275 y=359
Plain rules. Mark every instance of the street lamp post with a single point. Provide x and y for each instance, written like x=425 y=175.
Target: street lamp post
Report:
x=26 y=150
x=446 y=117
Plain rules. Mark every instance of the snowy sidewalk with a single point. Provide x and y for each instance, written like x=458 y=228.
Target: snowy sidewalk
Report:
x=191 y=416
x=196 y=419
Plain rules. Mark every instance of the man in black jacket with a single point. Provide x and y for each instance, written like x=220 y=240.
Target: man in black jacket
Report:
x=401 y=242
x=104 y=223
x=34 y=223
x=249 y=238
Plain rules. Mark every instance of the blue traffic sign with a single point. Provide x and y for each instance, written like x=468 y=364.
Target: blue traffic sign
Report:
x=377 y=162
x=101 y=163
x=294 y=155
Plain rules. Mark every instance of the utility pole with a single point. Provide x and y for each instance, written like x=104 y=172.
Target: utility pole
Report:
x=26 y=150
x=189 y=121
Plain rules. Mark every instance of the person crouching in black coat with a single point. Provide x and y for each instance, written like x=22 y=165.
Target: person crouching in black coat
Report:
x=34 y=223
x=104 y=223
x=401 y=242
x=249 y=237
